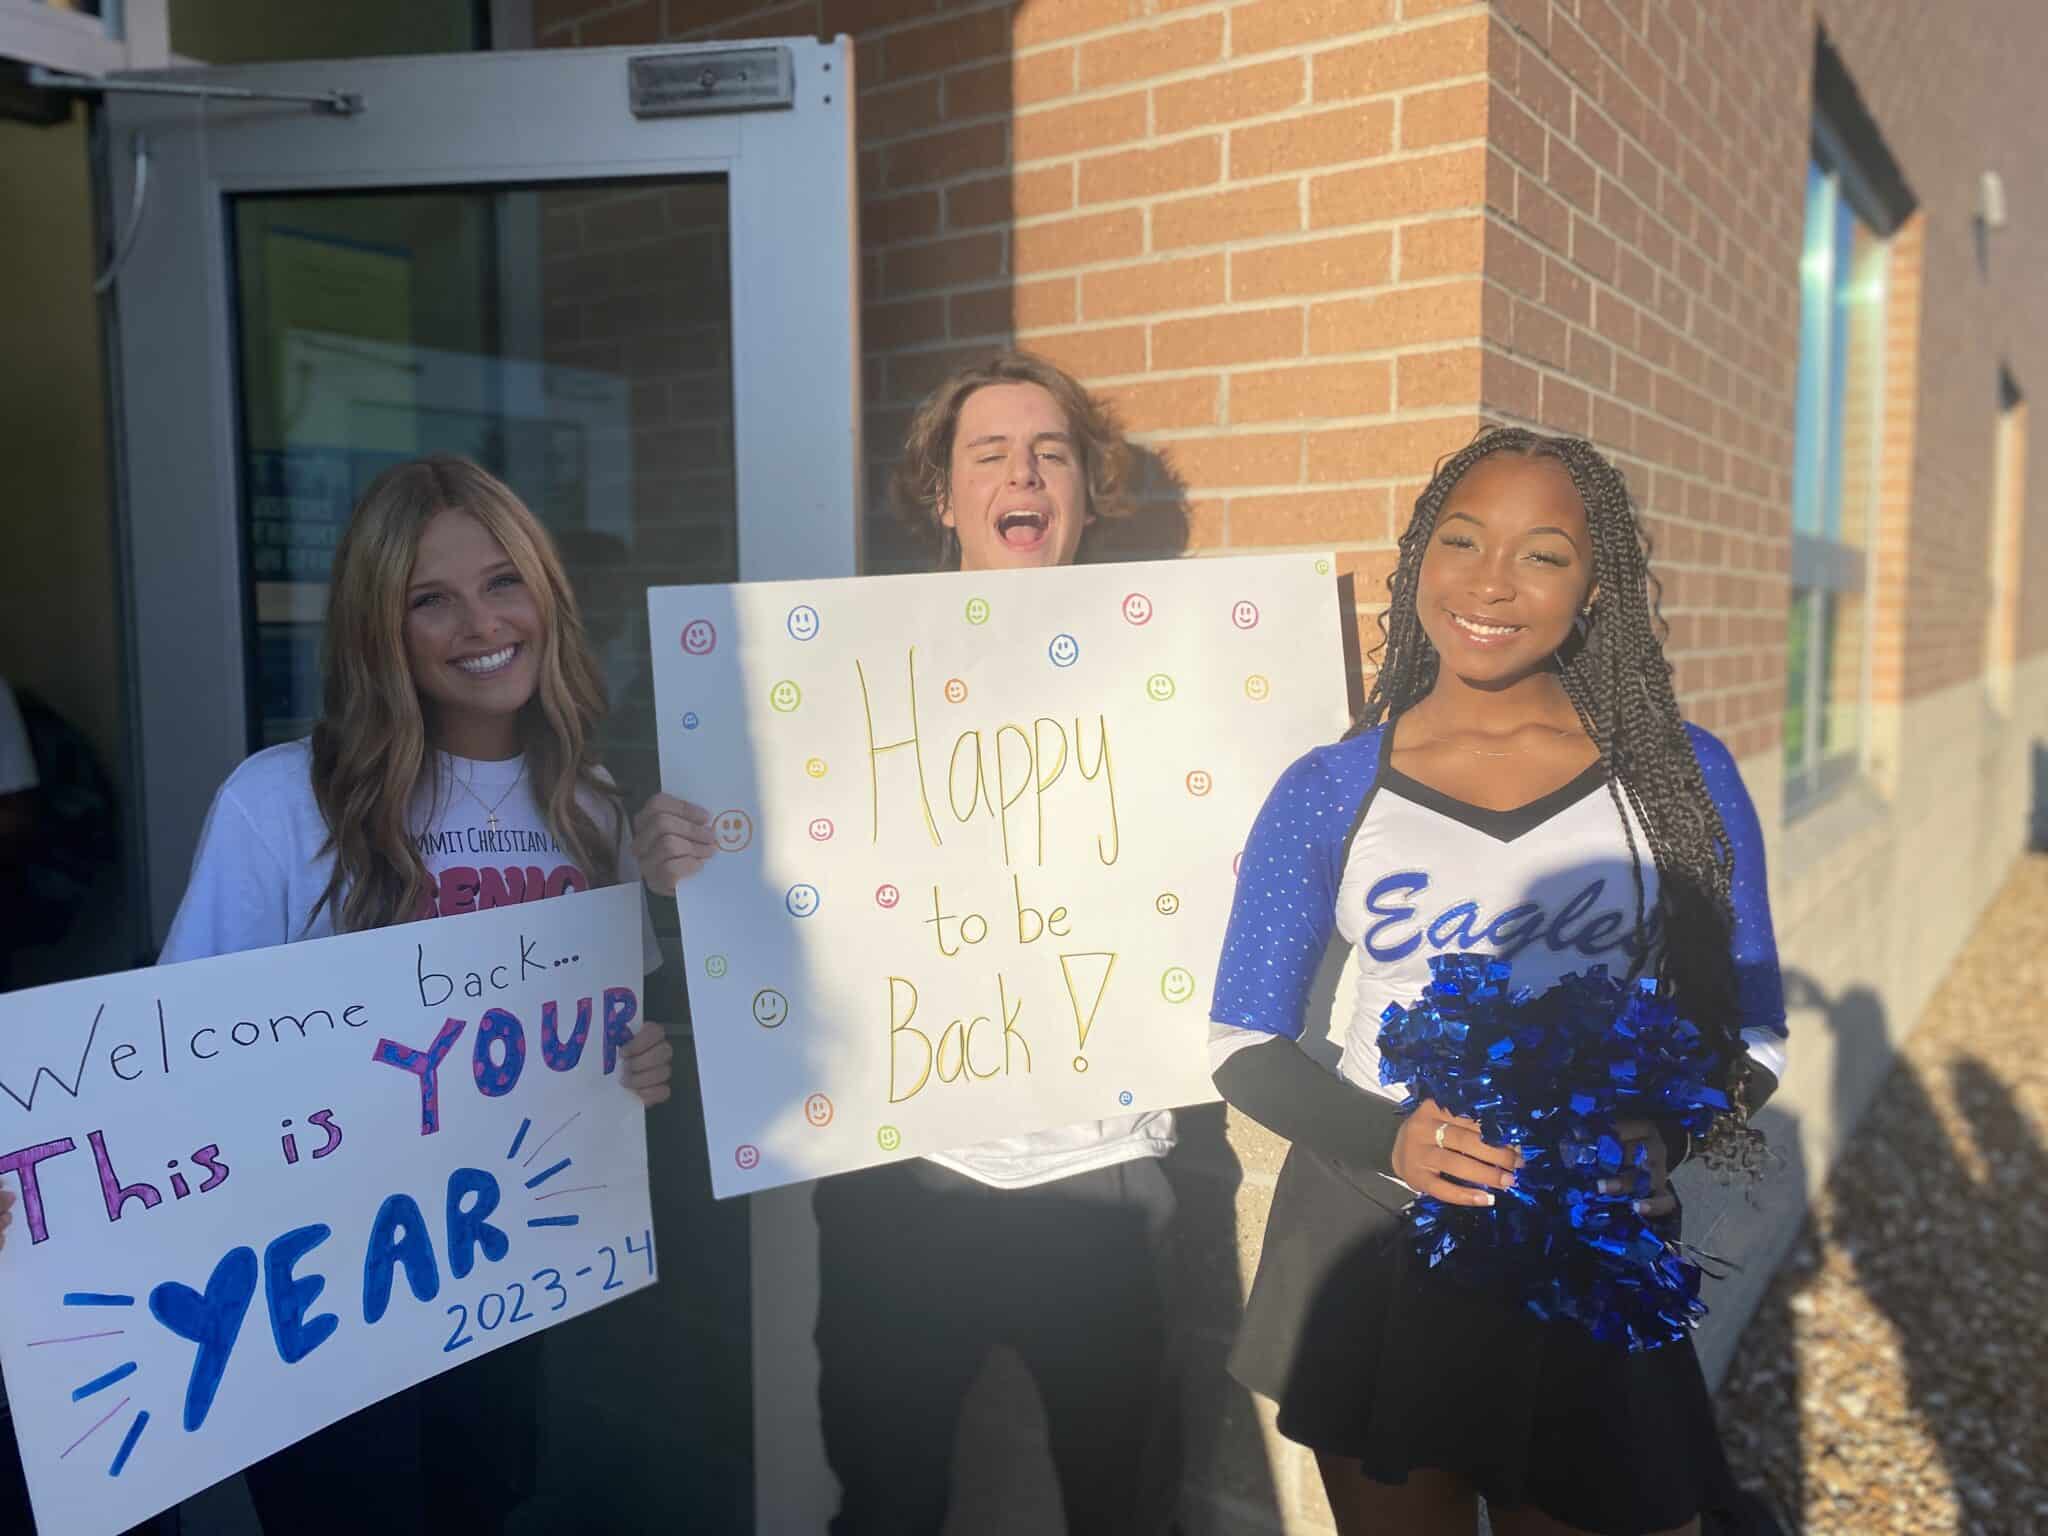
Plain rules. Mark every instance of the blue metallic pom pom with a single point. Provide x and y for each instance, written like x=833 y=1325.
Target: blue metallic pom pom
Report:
x=1552 y=1073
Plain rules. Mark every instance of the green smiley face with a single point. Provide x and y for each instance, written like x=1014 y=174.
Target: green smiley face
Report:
x=977 y=610
x=785 y=696
x=888 y=1138
x=1159 y=687
x=714 y=966
x=1177 y=985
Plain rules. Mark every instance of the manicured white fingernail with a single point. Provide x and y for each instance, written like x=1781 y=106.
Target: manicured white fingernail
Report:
x=1489 y=1199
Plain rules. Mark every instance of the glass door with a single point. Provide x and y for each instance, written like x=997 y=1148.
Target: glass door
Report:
x=634 y=304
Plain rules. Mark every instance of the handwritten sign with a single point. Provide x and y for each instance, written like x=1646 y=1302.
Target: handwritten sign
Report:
x=262 y=1191
x=978 y=839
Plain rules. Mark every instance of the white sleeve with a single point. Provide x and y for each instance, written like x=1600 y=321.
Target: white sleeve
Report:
x=238 y=896
x=1226 y=1040
x=17 y=761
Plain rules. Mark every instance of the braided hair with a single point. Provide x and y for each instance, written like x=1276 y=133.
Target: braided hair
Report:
x=1614 y=672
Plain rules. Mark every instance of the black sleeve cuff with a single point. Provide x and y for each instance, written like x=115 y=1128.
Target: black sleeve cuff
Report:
x=1281 y=1087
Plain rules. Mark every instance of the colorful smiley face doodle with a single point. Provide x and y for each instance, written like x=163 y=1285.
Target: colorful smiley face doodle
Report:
x=1159 y=687
x=1257 y=689
x=714 y=966
x=785 y=696
x=1177 y=985
x=1199 y=782
x=977 y=610
x=1167 y=904
x=1124 y=1098
x=1245 y=615
x=887 y=896
x=1322 y=567
x=888 y=1138
x=748 y=1156
x=815 y=767
x=733 y=830
x=820 y=829
x=700 y=636
x=956 y=691
x=801 y=900
x=818 y=1110
x=803 y=622
x=690 y=720
x=1137 y=609
x=770 y=1008
x=1065 y=650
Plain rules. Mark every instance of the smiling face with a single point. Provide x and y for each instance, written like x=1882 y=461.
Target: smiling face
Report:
x=803 y=622
x=1199 y=782
x=784 y=697
x=1016 y=493
x=1159 y=687
x=1137 y=609
x=699 y=636
x=1257 y=688
x=818 y=1110
x=1508 y=567
x=733 y=830
x=802 y=900
x=1177 y=985
x=1065 y=650
x=887 y=896
x=770 y=1008
x=1244 y=615
x=821 y=829
x=472 y=637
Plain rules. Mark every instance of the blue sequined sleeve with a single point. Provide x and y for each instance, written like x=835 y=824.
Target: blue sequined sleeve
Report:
x=1760 y=989
x=1286 y=903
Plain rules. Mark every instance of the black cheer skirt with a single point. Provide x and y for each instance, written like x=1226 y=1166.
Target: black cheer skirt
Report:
x=1369 y=1355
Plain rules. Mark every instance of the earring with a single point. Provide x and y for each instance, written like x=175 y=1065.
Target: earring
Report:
x=1583 y=624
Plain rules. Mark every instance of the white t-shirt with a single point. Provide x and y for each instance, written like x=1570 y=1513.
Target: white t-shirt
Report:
x=17 y=762
x=260 y=870
x=1018 y=1162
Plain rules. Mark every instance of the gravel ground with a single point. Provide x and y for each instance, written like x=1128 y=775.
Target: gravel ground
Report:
x=1895 y=1378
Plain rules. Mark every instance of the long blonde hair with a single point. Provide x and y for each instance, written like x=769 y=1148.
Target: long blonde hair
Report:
x=370 y=750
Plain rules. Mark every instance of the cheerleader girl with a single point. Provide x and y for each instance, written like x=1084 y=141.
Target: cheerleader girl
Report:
x=1519 y=785
x=459 y=713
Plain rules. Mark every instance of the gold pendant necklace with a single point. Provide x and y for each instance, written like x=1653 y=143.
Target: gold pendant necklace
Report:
x=491 y=808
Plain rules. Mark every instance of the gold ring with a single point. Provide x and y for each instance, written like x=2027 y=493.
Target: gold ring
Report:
x=1441 y=1127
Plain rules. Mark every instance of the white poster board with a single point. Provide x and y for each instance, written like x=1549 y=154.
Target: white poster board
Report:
x=978 y=836
x=243 y=1213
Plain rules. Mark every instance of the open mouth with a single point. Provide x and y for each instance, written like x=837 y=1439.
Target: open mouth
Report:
x=492 y=662
x=1022 y=529
x=1482 y=632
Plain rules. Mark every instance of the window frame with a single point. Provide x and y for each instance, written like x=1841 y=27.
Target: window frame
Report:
x=1832 y=566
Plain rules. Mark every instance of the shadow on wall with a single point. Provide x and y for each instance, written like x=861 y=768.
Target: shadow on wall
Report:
x=1925 y=1210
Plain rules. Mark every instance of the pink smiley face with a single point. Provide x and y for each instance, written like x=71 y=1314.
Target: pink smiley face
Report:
x=748 y=1156
x=734 y=830
x=887 y=896
x=1245 y=615
x=1199 y=782
x=699 y=637
x=956 y=691
x=821 y=830
x=1137 y=609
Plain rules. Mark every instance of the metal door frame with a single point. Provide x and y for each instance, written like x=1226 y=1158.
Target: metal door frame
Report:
x=445 y=121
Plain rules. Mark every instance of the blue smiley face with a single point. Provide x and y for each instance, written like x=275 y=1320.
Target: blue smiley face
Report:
x=1065 y=650
x=802 y=900
x=803 y=622
x=690 y=720
x=1124 y=1098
